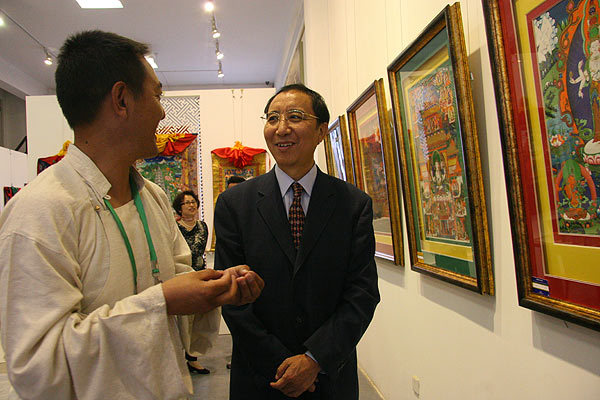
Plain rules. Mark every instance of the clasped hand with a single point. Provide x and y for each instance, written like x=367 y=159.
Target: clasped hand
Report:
x=296 y=375
x=201 y=291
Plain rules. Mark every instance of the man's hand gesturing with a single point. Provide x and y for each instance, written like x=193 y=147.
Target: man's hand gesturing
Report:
x=249 y=284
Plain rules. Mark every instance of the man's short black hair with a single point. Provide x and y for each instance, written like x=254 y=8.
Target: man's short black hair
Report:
x=89 y=64
x=318 y=104
x=234 y=179
x=178 y=200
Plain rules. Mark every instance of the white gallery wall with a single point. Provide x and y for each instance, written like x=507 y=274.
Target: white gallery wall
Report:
x=458 y=344
x=47 y=130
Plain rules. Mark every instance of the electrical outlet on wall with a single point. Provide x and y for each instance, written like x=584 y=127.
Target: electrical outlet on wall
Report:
x=416 y=385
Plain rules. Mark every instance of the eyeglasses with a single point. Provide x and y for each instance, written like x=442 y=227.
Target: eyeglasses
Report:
x=187 y=203
x=293 y=117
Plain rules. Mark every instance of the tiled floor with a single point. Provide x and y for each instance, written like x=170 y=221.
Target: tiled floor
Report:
x=215 y=386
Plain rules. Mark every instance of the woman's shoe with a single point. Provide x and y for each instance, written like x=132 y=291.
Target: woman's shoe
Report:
x=201 y=371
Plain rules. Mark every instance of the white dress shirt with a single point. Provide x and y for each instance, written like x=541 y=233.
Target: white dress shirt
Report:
x=287 y=193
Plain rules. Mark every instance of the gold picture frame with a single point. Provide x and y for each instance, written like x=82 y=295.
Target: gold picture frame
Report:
x=441 y=170
x=337 y=151
x=375 y=167
x=548 y=113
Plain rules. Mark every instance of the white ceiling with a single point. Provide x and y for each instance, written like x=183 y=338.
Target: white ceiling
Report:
x=256 y=37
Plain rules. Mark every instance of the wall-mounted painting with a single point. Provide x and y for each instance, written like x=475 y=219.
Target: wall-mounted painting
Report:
x=375 y=168
x=337 y=151
x=545 y=58
x=441 y=171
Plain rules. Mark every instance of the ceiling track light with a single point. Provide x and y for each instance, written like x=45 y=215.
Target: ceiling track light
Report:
x=217 y=51
x=215 y=32
x=48 y=55
x=48 y=59
x=209 y=6
x=220 y=73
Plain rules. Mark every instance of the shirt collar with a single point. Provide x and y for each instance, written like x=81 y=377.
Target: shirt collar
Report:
x=307 y=181
x=91 y=174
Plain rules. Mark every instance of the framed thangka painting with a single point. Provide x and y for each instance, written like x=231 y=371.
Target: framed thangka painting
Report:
x=337 y=151
x=373 y=153
x=546 y=60
x=441 y=171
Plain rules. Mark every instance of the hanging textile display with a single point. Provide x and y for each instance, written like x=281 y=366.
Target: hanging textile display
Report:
x=238 y=155
x=45 y=162
x=177 y=167
x=173 y=172
x=170 y=144
x=238 y=160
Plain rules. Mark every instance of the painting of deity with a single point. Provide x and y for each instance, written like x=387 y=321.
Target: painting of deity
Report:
x=164 y=171
x=545 y=56
x=439 y=156
x=566 y=46
x=431 y=101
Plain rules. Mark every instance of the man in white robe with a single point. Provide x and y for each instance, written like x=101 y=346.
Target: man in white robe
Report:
x=81 y=316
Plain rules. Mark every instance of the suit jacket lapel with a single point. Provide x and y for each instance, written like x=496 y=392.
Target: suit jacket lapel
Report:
x=270 y=207
x=321 y=206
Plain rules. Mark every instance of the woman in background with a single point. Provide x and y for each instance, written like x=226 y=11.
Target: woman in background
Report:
x=195 y=233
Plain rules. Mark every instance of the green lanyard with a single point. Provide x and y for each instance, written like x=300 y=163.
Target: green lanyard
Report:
x=140 y=209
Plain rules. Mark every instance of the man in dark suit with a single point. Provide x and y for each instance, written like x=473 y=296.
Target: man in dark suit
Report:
x=310 y=236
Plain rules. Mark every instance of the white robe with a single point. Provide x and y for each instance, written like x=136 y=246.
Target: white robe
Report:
x=70 y=324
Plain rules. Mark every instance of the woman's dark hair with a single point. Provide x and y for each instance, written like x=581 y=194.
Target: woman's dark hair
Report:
x=178 y=200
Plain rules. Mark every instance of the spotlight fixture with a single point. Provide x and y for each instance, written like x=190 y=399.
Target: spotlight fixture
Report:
x=215 y=32
x=220 y=73
x=2 y=22
x=209 y=6
x=217 y=51
x=48 y=59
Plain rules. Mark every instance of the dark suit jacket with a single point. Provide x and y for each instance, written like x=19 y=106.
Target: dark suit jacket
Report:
x=320 y=298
